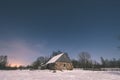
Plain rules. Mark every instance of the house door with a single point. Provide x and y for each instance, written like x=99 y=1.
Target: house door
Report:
x=64 y=66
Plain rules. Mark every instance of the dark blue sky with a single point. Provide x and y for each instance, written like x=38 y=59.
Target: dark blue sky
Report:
x=35 y=28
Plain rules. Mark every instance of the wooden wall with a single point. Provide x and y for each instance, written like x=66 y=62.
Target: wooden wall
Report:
x=63 y=66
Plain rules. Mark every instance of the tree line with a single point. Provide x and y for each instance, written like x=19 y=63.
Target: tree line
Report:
x=84 y=61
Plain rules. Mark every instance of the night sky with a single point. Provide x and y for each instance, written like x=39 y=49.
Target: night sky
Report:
x=30 y=28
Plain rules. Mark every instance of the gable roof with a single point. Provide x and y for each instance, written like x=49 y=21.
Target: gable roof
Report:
x=55 y=58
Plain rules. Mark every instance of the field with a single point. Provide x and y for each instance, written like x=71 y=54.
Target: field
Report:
x=65 y=75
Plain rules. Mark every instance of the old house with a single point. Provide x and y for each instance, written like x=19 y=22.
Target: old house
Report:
x=60 y=62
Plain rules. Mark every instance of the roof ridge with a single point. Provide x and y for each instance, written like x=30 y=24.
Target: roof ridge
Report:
x=55 y=58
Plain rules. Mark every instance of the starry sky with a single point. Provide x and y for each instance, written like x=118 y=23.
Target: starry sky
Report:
x=33 y=28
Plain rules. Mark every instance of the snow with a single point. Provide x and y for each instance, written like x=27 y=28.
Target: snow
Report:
x=65 y=75
x=55 y=58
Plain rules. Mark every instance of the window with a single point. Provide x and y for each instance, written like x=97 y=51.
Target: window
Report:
x=64 y=65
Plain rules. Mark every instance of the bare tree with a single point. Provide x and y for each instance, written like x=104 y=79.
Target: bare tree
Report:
x=3 y=61
x=119 y=40
x=84 y=59
x=40 y=61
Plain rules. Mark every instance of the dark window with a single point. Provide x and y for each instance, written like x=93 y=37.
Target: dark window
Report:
x=64 y=65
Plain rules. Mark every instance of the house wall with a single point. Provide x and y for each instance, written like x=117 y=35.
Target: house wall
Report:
x=63 y=66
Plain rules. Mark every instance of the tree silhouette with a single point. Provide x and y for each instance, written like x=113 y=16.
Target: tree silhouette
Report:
x=85 y=60
x=3 y=62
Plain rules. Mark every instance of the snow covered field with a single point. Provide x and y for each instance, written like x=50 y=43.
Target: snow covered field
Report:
x=65 y=75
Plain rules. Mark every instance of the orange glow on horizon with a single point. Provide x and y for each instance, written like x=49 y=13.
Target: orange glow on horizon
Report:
x=14 y=65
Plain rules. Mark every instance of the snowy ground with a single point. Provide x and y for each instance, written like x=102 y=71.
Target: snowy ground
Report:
x=65 y=75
